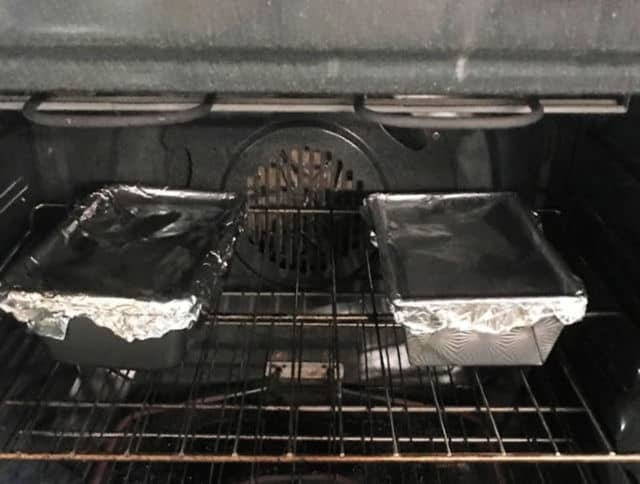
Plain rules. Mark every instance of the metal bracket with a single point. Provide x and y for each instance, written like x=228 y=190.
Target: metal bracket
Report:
x=305 y=370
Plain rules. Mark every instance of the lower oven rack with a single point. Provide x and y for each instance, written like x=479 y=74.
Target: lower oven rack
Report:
x=243 y=395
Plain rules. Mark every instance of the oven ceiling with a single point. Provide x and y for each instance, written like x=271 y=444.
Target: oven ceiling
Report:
x=332 y=46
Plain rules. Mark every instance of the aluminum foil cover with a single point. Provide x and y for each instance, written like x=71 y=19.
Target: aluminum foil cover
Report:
x=470 y=262
x=138 y=261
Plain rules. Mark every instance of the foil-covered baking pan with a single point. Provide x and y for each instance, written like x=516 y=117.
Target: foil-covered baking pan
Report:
x=129 y=265
x=472 y=279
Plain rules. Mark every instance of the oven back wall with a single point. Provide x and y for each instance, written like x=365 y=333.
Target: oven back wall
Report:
x=226 y=151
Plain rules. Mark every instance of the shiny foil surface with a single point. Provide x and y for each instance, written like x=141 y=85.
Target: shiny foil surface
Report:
x=138 y=261
x=471 y=277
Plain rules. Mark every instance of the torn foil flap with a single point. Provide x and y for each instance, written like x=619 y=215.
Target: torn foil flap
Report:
x=472 y=262
x=138 y=261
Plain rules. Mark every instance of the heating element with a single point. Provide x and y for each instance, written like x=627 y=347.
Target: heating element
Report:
x=296 y=375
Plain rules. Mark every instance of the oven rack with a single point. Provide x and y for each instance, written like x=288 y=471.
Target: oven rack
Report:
x=295 y=375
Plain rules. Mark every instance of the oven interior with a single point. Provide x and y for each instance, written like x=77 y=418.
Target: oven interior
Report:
x=301 y=374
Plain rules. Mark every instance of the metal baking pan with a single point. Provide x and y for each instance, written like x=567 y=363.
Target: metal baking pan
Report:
x=125 y=275
x=472 y=279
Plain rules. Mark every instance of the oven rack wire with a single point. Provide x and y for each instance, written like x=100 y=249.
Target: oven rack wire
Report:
x=297 y=376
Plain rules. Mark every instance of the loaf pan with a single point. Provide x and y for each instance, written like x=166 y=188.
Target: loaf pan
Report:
x=472 y=279
x=127 y=273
